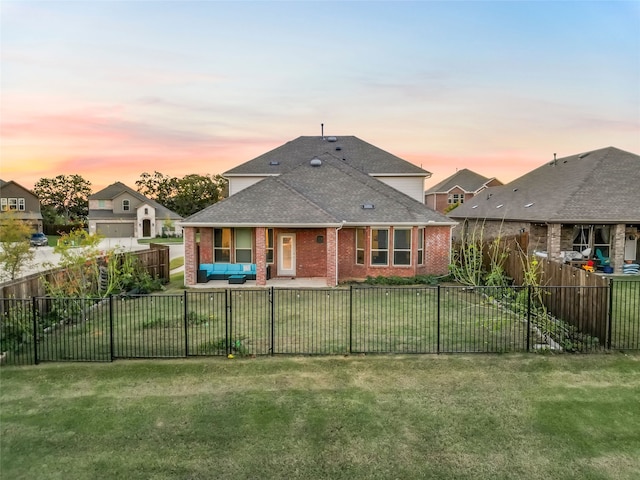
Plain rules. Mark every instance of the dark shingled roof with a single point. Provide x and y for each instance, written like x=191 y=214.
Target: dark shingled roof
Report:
x=466 y=179
x=355 y=152
x=602 y=186
x=331 y=194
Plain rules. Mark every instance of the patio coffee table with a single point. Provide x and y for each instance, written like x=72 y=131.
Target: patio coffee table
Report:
x=237 y=279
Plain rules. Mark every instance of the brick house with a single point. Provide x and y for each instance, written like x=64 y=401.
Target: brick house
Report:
x=120 y=211
x=22 y=203
x=460 y=187
x=585 y=201
x=331 y=207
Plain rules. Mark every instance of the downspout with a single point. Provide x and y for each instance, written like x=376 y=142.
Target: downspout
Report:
x=337 y=230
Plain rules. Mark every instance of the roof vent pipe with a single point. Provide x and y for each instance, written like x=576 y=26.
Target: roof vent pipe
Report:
x=322 y=130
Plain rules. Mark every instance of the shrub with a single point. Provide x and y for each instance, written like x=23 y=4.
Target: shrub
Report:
x=16 y=327
x=219 y=346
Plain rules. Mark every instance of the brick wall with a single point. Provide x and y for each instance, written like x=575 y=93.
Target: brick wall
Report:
x=437 y=248
x=554 y=241
x=311 y=256
x=260 y=255
x=440 y=201
x=190 y=256
x=317 y=259
x=206 y=245
x=347 y=255
x=437 y=255
x=618 y=238
x=331 y=241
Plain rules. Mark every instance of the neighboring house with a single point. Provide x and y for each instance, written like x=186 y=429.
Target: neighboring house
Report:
x=23 y=204
x=590 y=200
x=460 y=187
x=331 y=207
x=120 y=211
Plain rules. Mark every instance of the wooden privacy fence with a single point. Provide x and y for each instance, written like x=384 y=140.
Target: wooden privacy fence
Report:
x=155 y=260
x=572 y=294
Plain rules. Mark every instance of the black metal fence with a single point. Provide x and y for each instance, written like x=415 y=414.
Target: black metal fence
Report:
x=420 y=319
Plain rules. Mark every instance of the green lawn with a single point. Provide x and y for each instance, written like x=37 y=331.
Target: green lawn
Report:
x=446 y=417
x=625 y=312
x=176 y=262
x=160 y=240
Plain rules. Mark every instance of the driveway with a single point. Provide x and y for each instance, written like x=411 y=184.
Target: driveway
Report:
x=45 y=258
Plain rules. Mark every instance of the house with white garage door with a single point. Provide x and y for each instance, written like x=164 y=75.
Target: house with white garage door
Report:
x=120 y=211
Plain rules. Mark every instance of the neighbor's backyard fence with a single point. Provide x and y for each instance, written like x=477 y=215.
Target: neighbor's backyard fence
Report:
x=425 y=319
x=155 y=260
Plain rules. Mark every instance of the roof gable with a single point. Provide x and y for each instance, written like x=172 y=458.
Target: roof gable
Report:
x=359 y=154
x=600 y=186
x=464 y=179
x=11 y=184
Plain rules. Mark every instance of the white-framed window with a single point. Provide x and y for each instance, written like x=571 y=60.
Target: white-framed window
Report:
x=360 y=246
x=269 y=244
x=21 y=204
x=102 y=204
x=379 y=246
x=13 y=204
x=421 y=246
x=4 y=204
x=243 y=252
x=222 y=245
x=126 y=205
x=455 y=198
x=402 y=246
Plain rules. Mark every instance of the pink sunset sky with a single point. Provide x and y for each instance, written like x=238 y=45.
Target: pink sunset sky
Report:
x=110 y=90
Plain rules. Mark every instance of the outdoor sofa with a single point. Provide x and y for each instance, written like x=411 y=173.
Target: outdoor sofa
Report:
x=222 y=271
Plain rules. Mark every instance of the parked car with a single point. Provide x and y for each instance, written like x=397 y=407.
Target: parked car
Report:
x=39 y=240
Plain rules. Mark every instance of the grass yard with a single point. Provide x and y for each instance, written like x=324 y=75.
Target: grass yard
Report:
x=625 y=312
x=176 y=262
x=162 y=241
x=464 y=417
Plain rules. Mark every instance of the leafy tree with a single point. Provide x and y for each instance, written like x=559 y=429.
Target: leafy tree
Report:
x=158 y=187
x=186 y=195
x=195 y=192
x=451 y=206
x=68 y=195
x=15 y=251
x=50 y=216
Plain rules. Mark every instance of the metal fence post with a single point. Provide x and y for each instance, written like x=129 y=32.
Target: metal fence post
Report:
x=610 y=315
x=438 y=317
x=273 y=319
x=34 y=316
x=227 y=319
x=186 y=325
x=350 y=319
x=111 y=344
x=528 y=316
